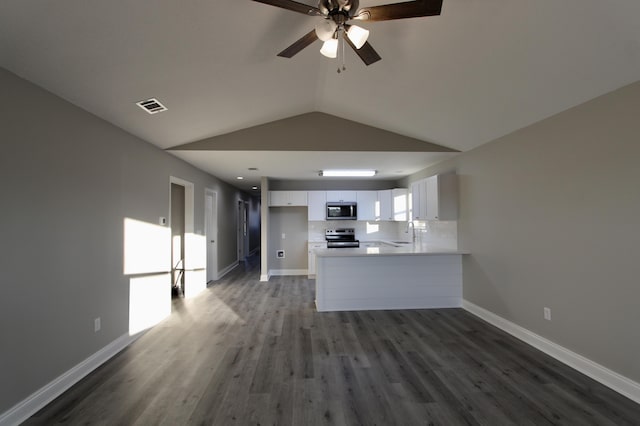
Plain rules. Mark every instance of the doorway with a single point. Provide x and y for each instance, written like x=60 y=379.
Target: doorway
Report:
x=211 y=233
x=181 y=218
x=177 y=239
x=243 y=234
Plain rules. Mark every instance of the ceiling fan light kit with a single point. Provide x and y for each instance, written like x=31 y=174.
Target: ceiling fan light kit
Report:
x=330 y=48
x=326 y=29
x=358 y=36
x=337 y=13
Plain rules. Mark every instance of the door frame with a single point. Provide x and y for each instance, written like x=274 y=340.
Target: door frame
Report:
x=189 y=189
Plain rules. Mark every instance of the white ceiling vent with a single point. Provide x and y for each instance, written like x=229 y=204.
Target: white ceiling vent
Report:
x=152 y=106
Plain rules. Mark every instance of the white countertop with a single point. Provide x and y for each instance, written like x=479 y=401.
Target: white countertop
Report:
x=388 y=248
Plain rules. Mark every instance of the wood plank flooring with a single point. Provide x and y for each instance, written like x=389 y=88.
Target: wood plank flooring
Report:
x=251 y=353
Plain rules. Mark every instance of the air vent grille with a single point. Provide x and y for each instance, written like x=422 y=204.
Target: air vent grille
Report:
x=152 y=106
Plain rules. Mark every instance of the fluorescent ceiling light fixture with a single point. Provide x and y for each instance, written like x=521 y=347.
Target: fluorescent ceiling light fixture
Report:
x=330 y=48
x=358 y=36
x=348 y=173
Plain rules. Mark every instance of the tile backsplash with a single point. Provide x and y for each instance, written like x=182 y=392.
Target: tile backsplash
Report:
x=440 y=234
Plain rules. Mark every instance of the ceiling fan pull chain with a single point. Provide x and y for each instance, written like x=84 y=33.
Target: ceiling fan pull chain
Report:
x=344 y=58
x=340 y=51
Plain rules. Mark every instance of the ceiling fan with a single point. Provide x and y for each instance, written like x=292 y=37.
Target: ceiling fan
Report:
x=335 y=27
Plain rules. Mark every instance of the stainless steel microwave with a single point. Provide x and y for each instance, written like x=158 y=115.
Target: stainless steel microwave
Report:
x=342 y=211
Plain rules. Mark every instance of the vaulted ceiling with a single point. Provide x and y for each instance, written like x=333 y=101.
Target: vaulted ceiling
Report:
x=482 y=69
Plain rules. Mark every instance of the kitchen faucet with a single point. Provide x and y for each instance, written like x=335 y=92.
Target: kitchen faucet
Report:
x=413 y=228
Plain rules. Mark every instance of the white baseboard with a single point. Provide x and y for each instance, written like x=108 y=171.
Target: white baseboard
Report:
x=228 y=269
x=264 y=277
x=37 y=400
x=609 y=378
x=285 y=272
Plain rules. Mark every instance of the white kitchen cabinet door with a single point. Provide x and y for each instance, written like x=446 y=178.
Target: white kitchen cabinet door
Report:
x=384 y=205
x=393 y=205
x=419 y=200
x=317 y=201
x=432 y=197
x=287 y=198
x=442 y=197
x=400 y=207
x=342 y=196
x=367 y=204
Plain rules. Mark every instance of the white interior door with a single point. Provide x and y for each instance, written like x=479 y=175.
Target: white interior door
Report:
x=211 y=230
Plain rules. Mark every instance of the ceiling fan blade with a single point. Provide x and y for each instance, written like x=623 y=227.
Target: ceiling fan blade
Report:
x=292 y=5
x=409 y=9
x=367 y=53
x=296 y=47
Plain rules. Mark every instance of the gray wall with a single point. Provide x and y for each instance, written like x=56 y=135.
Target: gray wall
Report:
x=68 y=181
x=551 y=215
x=292 y=221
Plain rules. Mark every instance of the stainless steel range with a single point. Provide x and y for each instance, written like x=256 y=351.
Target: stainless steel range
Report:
x=341 y=238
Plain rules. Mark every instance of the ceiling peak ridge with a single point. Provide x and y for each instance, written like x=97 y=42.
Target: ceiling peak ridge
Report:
x=313 y=131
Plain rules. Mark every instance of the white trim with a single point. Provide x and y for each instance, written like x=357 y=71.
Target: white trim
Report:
x=228 y=269
x=264 y=277
x=621 y=384
x=37 y=400
x=284 y=272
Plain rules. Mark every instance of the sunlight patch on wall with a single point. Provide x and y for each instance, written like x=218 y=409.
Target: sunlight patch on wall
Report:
x=400 y=203
x=195 y=282
x=372 y=228
x=195 y=251
x=149 y=301
x=146 y=247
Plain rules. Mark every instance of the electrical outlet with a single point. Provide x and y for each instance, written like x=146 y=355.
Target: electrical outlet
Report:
x=547 y=314
x=284 y=236
x=96 y=325
x=280 y=254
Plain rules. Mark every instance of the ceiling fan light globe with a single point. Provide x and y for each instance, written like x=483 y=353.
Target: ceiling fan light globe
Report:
x=358 y=36
x=330 y=48
x=326 y=29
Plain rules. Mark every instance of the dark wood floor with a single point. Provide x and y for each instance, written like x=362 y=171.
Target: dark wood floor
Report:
x=250 y=353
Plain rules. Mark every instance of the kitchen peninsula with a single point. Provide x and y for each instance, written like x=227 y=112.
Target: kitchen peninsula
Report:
x=392 y=276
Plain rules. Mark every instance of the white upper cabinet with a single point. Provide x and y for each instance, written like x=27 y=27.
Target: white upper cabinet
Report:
x=419 y=200
x=435 y=198
x=317 y=201
x=442 y=197
x=384 y=205
x=342 y=196
x=367 y=204
x=287 y=198
x=400 y=206
x=392 y=205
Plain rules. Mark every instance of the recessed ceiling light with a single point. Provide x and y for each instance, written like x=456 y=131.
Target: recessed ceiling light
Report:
x=255 y=188
x=348 y=173
x=240 y=178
